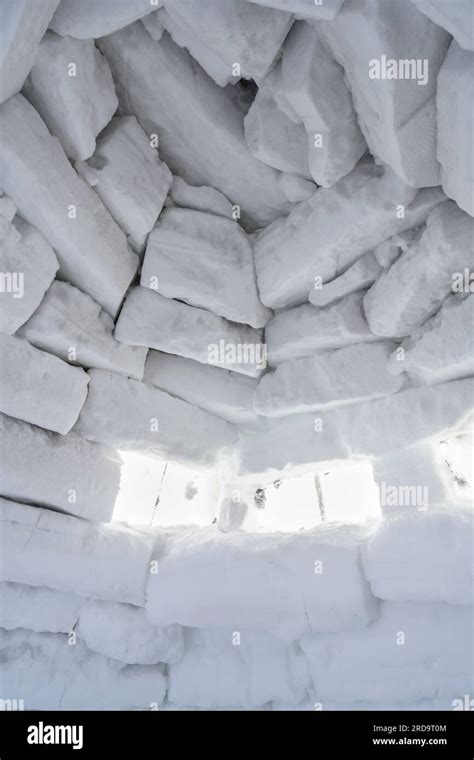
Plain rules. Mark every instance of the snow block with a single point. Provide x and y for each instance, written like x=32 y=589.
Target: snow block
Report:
x=387 y=662
x=37 y=608
x=23 y=24
x=92 y=250
x=56 y=676
x=27 y=269
x=455 y=126
x=423 y=556
x=123 y=632
x=220 y=670
x=359 y=276
x=222 y=392
x=389 y=251
x=325 y=11
x=149 y=319
x=153 y=25
x=416 y=285
x=39 y=388
x=391 y=56
x=8 y=209
x=45 y=548
x=417 y=476
x=323 y=236
x=129 y=178
x=219 y=33
x=71 y=325
x=284 y=584
x=200 y=198
x=130 y=415
x=313 y=83
x=413 y=415
x=456 y=17
x=212 y=149
x=71 y=87
x=64 y=472
x=95 y=18
x=305 y=330
x=309 y=442
x=442 y=348
x=206 y=261
x=273 y=138
x=331 y=379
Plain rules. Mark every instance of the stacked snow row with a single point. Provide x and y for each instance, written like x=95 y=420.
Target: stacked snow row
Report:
x=53 y=328
x=367 y=230
x=91 y=614
x=389 y=322
x=88 y=225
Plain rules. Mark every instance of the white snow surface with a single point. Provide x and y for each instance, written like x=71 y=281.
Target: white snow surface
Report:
x=219 y=391
x=395 y=104
x=305 y=8
x=28 y=265
x=199 y=198
x=236 y=298
x=275 y=139
x=129 y=177
x=284 y=584
x=229 y=669
x=123 y=632
x=414 y=288
x=454 y=145
x=214 y=151
x=92 y=250
x=456 y=17
x=44 y=548
x=220 y=33
x=313 y=442
x=327 y=380
x=411 y=652
x=39 y=388
x=74 y=103
x=95 y=18
x=71 y=325
x=65 y=472
x=197 y=258
x=321 y=237
x=37 y=608
x=129 y=415
x=312 y=84
x=57 y=676
x=149 y=319
x=24 y=23
x=443 y=571
x=305 y=330
x=442 y=348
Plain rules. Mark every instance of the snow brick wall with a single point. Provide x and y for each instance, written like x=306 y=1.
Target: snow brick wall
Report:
x=236 y=236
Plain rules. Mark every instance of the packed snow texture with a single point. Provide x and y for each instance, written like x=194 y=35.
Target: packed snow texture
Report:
x=284 y=585
x=387 y=661
x=236 y=238
x=443 y=572
x=127 y=414
x=129 y=177
x=44 y=548
x=71 y=87
x=70 y=324
x=182 y=237
x=92 y=250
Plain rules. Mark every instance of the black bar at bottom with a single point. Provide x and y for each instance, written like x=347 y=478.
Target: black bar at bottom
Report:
x=377 y=734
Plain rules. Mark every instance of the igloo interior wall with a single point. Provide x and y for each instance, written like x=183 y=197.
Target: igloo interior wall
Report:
x=236 y=315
